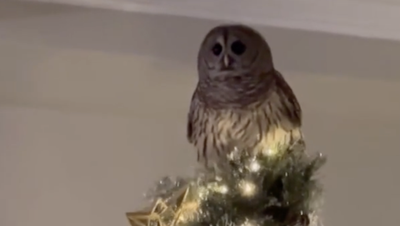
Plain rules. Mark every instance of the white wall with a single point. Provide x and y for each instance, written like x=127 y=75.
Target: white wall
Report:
x=93 y=110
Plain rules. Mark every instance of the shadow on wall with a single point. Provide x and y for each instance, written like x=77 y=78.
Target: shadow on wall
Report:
x=178 y=39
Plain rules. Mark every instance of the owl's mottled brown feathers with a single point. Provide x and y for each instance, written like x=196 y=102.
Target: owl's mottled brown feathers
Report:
x=240 y=99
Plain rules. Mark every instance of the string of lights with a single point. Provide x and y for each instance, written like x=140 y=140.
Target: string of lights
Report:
x=268 y=189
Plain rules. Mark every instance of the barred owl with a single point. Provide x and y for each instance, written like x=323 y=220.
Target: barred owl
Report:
x=240 y=98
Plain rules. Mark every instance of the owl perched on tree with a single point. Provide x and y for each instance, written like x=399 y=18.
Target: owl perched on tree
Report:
x=240 y=98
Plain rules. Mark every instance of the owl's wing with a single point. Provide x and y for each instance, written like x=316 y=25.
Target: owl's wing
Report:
x=189 y=128
x=191 y=119
x=291 y=105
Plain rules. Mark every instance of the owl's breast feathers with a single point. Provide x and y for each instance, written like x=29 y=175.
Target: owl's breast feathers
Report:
x=274 y=120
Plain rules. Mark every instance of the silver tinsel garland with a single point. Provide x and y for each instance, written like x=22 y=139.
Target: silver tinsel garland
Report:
x=268 y=189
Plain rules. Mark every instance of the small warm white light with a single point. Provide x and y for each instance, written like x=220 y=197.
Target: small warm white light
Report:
x=269 y=152
x=234 y=153
x=254 y=166
x=182 y=218
x=202 y=191
x=215 y=187
x=248 y=223
x=223 y=189
x=248 y=188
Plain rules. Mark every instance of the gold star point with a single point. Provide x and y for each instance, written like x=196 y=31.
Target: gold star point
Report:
x=182 y=197
x=186 y=205
x=144 y=218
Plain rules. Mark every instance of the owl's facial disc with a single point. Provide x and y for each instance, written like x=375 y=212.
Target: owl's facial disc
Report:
x=232 y=51
x=227 y=55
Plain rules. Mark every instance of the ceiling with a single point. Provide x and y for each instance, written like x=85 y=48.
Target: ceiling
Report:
x=370 y=19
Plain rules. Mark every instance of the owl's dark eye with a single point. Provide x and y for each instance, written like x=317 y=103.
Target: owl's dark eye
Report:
x=238 y=47
x=217 y=49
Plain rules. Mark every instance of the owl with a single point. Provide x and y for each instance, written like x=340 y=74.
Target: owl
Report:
x=240 y=98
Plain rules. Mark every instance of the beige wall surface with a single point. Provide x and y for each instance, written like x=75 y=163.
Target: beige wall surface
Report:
x=93 y=110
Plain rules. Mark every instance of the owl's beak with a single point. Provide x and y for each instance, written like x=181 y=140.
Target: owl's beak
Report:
x=227 y=63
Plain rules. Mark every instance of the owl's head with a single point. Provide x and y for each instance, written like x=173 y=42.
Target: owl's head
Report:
x=233 y=50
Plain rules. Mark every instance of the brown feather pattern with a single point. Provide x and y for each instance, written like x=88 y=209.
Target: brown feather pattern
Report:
x=273 y=120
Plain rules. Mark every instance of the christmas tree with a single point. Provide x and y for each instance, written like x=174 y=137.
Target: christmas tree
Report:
x=272 y=188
